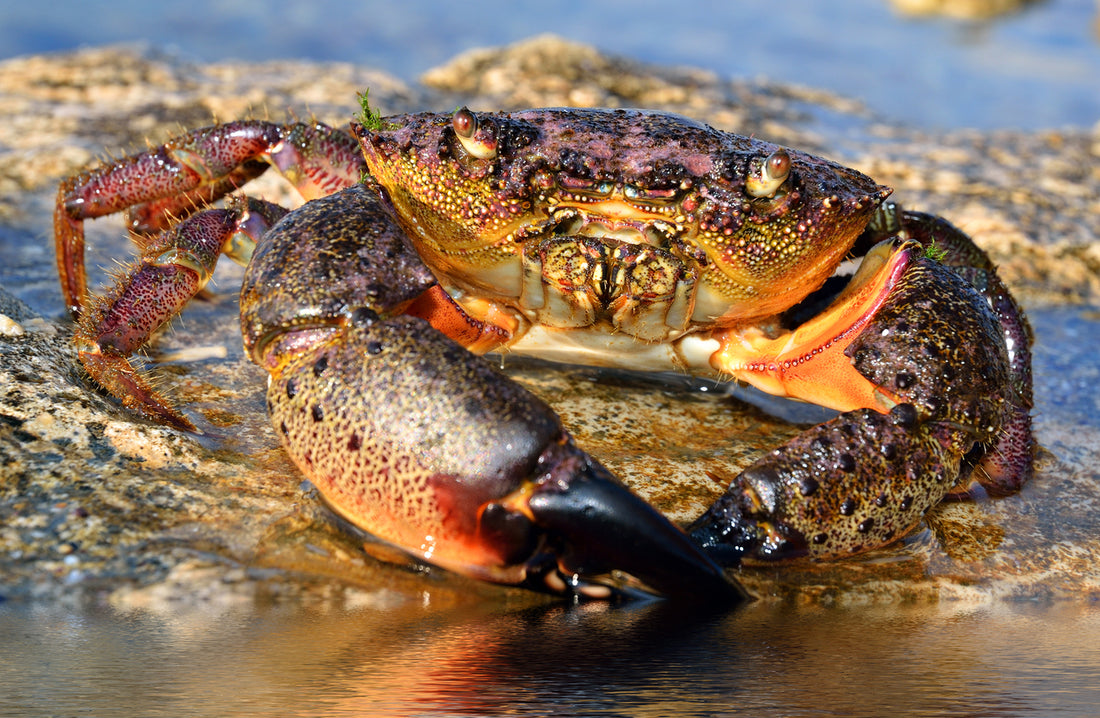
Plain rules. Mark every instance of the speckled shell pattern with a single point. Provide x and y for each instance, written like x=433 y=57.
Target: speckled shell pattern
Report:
x=407 y=434
x=329 y=259
x=1007 y=464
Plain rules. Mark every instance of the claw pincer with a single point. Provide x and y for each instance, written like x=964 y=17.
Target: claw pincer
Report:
x=409 y=435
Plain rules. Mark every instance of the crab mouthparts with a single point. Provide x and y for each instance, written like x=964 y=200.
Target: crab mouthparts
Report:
x=619 y=227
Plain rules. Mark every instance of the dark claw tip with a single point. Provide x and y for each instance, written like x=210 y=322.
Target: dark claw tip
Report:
x=599 y=526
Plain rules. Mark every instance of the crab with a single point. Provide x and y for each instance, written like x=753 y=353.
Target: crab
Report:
x=621 y=238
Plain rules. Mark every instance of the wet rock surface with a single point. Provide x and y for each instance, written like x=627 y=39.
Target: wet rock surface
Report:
x=96 y=503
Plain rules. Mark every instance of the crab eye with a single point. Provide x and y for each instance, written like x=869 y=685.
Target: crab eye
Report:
x=768 y=176
x=464 y=122
x=477 y=138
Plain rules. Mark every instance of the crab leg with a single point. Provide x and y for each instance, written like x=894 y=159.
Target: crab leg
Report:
x=423 y=444
x=933 y=355
x=151 y=218
x=172 y=268
x=184 y=174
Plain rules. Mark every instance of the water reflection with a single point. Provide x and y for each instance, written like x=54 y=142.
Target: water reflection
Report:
x=411 y=659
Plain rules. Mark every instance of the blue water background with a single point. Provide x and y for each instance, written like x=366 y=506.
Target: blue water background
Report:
x=1036 y=68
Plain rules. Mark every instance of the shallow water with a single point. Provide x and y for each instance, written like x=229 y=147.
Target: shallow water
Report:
x=646 y=660
x=1029 y=69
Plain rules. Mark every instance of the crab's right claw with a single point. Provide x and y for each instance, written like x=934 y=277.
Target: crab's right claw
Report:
x=424 y=445
x=414 y=439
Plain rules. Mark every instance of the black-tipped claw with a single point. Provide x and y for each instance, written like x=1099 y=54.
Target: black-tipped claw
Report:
x=728 y=531
x=723 y=535
x=596 y=525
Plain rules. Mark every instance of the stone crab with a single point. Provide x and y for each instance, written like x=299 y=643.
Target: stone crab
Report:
x=621 y=238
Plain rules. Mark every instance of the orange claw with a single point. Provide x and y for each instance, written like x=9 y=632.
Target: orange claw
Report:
x=420 y=443
x=809 y=363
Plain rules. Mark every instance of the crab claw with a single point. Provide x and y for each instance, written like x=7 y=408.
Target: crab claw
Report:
x=417 y=441
x=425 y=446
x=933 y=354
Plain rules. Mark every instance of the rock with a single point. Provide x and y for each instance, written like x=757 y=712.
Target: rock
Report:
x=95 y=502
x=960 y=9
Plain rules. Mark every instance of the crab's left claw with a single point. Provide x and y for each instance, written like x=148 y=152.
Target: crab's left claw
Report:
x=936 y=378
x=421 y=443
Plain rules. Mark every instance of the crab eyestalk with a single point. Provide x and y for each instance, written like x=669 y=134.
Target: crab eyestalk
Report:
x=478 y=137
x=767 y=175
